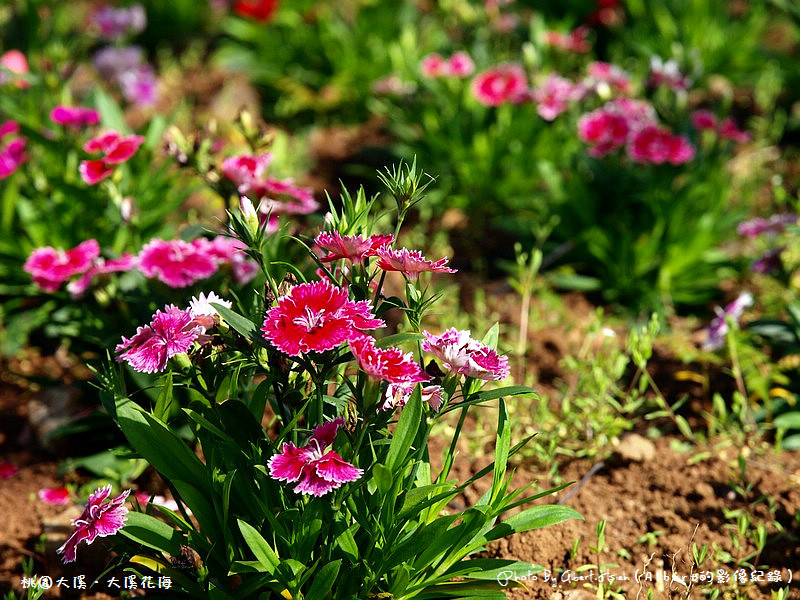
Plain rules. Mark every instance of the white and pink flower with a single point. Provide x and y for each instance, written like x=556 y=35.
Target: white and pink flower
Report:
x=463 y=355
x=316 y=469
x=99 y=519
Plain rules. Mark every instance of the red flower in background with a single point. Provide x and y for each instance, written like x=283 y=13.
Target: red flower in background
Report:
x=261 y=10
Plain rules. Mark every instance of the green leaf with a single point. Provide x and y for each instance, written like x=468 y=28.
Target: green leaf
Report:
x=790 y=420
x=405 y=432
x=383 y=478
x=488 y=395
x=110 y=113
x=491 y=568
x=490 y=339
x=502 y=450
x=241 y=324
x=324 y=579
x=165 y=451
x=535 y=517
x=398 y=339
x=347 y=542
x=164 y=403
x=260 y=547
x=152 y=532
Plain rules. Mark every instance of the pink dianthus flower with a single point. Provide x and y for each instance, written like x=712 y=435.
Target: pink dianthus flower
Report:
x=116 y=148
x=74 y=117
x=387 y=364
x=410 y=262
x=176 y=263
x=55 y=496
x=50 y=267
x=398 y=394
x=500 y=84
x=245 y=169
x=12 y=151
x=465 y=356
x=656 y=145
x=433 y=65
x=101 y=266
x=315 y=317
x=575 y=41
x=279 y=197
x=170 y=332
x=704 y=120
x=99 y=519
x=668 y=74
x=554 y=94
x=604 y=72
x=460 y=65
x=354 y=248
x=317 y=469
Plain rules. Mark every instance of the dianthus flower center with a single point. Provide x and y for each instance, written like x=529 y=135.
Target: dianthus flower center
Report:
x=311 y=320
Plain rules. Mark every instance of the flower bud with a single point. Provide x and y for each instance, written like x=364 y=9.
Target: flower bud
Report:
x=250 y=215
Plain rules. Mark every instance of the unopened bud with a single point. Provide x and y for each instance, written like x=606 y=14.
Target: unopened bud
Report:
x=249 y=213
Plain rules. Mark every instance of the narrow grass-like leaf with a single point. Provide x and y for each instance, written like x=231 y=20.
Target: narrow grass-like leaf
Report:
x=241 y=324
x=260 y=547
x=152 y=532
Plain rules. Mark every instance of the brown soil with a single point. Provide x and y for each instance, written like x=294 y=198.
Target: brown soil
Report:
x=657 y=498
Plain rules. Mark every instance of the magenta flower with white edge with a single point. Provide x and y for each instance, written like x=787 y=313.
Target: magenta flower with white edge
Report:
x=316 y=469
x=410 y=262
x=50 y=268
x=316 y=317
x=463 y=355
x=170 y=332
x=54 y=496
x=176 y=263
x=398 y=394
x=500 y=84
x=354 y=248
x=99 y=519
x=718 y=328
x=386 y=364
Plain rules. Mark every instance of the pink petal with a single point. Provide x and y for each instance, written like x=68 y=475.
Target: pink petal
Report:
x=55 y=496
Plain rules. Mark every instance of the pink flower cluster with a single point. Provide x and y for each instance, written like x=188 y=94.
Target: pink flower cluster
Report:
x=316 y=469
x=463 y=355
x=632 y=123
x=457 y=65
x=99 y=519
x=575 y=41
x=180 y=264
x=357 y=249
x=116 y=149
x=12 y=151
x=170 y=332
x=175 y=263
x=74 y=117
x=275 y=196
x=705 y=120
